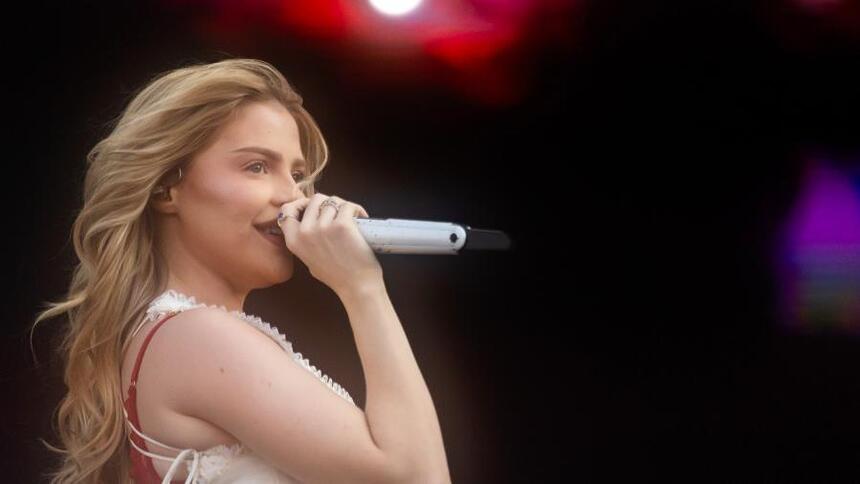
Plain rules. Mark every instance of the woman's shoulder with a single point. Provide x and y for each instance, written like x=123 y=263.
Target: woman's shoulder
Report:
x=200 y=353
x=205 y=328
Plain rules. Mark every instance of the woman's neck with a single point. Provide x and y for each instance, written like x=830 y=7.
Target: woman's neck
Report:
x=210 y=293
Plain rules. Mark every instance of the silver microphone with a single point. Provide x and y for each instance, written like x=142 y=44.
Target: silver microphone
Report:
x=403 y=236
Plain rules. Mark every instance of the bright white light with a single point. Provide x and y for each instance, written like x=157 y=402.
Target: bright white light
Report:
x=395 y=7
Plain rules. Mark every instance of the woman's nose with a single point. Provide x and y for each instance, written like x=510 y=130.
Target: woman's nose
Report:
x=288 y=191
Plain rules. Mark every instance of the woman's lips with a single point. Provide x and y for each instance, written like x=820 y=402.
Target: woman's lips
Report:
x=278 y=240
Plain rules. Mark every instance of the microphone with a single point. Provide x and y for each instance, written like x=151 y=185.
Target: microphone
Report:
x=403 y=236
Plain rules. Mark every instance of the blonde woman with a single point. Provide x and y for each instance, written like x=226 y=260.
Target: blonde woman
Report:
x=202 y=192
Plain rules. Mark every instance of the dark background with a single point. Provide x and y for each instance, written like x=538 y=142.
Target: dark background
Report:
x=643 y=176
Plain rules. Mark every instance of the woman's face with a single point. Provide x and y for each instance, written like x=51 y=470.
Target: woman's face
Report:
x=230 y=188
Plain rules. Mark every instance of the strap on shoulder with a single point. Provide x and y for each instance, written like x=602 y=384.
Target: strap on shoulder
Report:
x=136 y=370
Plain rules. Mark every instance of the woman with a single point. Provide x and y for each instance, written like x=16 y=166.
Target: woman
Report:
x=168 y=380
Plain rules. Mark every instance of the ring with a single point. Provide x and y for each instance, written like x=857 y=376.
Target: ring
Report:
x=283 y=217
x=330 y=201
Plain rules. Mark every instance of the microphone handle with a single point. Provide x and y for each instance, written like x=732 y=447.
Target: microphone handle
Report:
x=404 y=236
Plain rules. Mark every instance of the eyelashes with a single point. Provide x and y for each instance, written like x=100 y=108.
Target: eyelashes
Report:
x=263 y=163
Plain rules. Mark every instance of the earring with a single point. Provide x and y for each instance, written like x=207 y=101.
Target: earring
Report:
x=162 y=190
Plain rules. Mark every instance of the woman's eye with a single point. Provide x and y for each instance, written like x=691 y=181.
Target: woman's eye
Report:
x=255 y=164
x=263 y=164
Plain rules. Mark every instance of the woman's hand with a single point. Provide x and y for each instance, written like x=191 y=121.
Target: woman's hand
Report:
x=329 y=243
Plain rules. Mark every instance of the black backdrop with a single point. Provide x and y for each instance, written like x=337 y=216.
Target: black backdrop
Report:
x=643 y=178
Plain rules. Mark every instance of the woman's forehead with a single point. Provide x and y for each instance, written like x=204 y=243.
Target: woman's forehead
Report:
x=273 y=130
x=261 y=118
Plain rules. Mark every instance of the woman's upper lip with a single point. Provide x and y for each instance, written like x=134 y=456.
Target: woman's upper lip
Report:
x=270 y=223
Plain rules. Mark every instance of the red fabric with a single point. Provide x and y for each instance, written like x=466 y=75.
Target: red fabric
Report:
x=142 y=470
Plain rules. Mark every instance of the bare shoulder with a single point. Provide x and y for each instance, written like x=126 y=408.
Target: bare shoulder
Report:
x=203 y=347
x=202 y=329
x=237 y=378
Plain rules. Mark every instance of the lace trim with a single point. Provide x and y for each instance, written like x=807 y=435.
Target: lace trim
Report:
x=213 y=461
x=174 y=301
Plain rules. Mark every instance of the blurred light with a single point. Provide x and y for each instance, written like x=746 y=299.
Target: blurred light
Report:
x=818 y=256
x=485 y=51
x=395 y=7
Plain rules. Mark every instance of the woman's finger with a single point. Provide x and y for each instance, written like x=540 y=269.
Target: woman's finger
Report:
x=293 y=210
x=310 y=217
x=355 y=210
x=328 y=213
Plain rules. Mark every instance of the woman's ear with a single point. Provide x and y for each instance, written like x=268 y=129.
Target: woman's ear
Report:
x=163 y=201
x=163 y=197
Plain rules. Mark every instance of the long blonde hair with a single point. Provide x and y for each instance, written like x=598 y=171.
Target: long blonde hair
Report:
x=120 y=269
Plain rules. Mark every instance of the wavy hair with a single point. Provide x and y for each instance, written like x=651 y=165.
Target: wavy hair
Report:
x=120 y=269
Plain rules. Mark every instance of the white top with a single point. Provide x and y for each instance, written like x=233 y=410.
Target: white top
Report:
x=223 y=464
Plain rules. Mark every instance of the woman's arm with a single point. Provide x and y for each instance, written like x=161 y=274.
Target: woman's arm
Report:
x=399 y=408
x=215 y=367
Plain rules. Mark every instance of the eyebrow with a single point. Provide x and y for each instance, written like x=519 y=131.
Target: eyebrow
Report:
x=270 y=153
